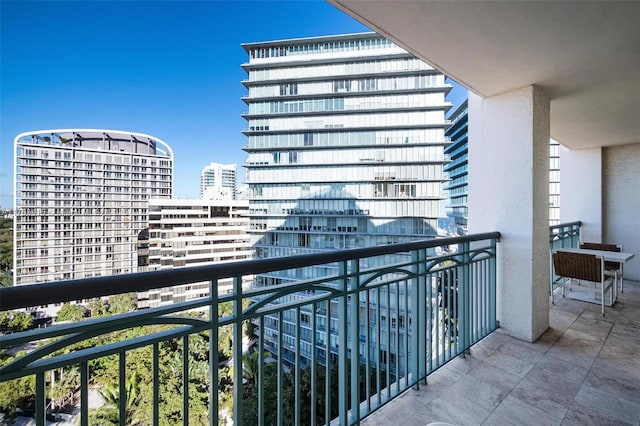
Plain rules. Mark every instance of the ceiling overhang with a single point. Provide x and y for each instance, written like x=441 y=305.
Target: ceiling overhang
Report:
x=585 y=55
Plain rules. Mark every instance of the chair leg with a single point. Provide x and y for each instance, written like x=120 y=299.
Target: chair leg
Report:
x=602 y=296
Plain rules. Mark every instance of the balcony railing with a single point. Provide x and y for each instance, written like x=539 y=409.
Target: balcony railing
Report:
x=564 y=235
x=397 y=313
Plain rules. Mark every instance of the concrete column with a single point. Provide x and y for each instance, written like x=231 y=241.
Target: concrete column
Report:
x=509 y=193
x=581 y=190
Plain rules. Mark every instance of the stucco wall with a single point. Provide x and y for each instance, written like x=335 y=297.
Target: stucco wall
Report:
x=621 y=202
x=581 y=190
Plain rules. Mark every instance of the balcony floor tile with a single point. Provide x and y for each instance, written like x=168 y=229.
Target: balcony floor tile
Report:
x=584 y=370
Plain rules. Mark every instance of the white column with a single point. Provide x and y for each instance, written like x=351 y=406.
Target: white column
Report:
x=509 y=193
x=581 y=190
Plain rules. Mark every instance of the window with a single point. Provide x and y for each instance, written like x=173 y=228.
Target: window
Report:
x=276 y=157
x=293 y=157
x=288 y=89
x=308 y=139
x=340 y=86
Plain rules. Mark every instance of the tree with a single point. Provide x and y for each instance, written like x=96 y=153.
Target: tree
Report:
x=109 y=413
x=122 y=303
x=6 y=244
x=15 y=321
x=97 y=307
x=17 y=393
x=71 y=312
x=6 y=280
x=251 y=366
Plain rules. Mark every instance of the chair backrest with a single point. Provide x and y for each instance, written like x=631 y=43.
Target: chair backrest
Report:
x=600 y=246
x=577 y=265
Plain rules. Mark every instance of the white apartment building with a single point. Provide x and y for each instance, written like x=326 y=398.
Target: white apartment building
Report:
x=184 y=233
x=346 y=138
x=81 y=201
x=218 y=182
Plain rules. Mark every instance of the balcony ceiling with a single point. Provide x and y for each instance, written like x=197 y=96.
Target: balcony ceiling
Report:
x=586 y=55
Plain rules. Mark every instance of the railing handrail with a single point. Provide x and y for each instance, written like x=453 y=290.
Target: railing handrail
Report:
x=564 y=225
x=24 y=296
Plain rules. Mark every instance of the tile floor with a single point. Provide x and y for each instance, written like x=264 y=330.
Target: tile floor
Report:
x=585 y=370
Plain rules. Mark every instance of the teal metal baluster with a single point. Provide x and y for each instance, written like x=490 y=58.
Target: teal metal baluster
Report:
x=213 y=353
x=492 y=286
x=314 y=331
x=352 y=285
x=238 y=388
x=84 y=393
x=185 y=380
x=122 y=396
x=156 y=384
x=261 y=372
x=343 y=398
x=296 y=367
x=378 y=346
x=367 y=349
x=280 y=368
x=41 y=398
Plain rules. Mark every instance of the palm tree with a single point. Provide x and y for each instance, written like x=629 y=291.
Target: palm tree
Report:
x=251 y=366
x=109 y=413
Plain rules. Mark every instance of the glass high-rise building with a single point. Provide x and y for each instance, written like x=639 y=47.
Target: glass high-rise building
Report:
x=81 y=202
x=456 y=170
x=346 y=138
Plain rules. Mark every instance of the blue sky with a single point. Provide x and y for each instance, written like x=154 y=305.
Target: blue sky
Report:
x=169 y=69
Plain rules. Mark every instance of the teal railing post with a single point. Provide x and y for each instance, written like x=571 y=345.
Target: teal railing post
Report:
x=41 y=400
x=464 y=293
x=353 y=285
x=185 y=380
x=213 y=353
x=419 y=310
x=237 y=351
x=156 y=384
x=84 y=393
x=343 y=342
x=122 y=395
x=492 y=284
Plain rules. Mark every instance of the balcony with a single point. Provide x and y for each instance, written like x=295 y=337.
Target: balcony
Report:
x=442 y=308
x=583 y=370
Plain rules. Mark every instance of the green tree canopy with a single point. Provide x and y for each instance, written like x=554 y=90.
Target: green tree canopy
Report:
x=15 y=321
x=6 y=244
x=71 y=312
x=122 y=303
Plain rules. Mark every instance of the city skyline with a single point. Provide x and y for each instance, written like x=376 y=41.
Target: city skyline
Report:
x=114 y=65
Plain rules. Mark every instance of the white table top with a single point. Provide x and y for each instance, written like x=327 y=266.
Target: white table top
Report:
x=611 y=256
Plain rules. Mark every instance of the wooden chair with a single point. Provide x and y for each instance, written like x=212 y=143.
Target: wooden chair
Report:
x=573 y=269
x=612 y=269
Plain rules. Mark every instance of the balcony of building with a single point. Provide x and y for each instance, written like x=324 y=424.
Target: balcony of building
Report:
x=582 y=371
x=535 y=71
x=420 y=318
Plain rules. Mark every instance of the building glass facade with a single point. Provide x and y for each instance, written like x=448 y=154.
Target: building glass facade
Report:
x=346 y=138
x=456 y=169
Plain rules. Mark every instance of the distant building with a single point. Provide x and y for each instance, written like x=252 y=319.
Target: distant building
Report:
x=81 y=201
x=194 y=233
x=218 y=182
x=456 y=169
x=346 y=138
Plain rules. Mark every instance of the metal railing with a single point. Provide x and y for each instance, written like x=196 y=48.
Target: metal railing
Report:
x=563 y=235
x=398 y=313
